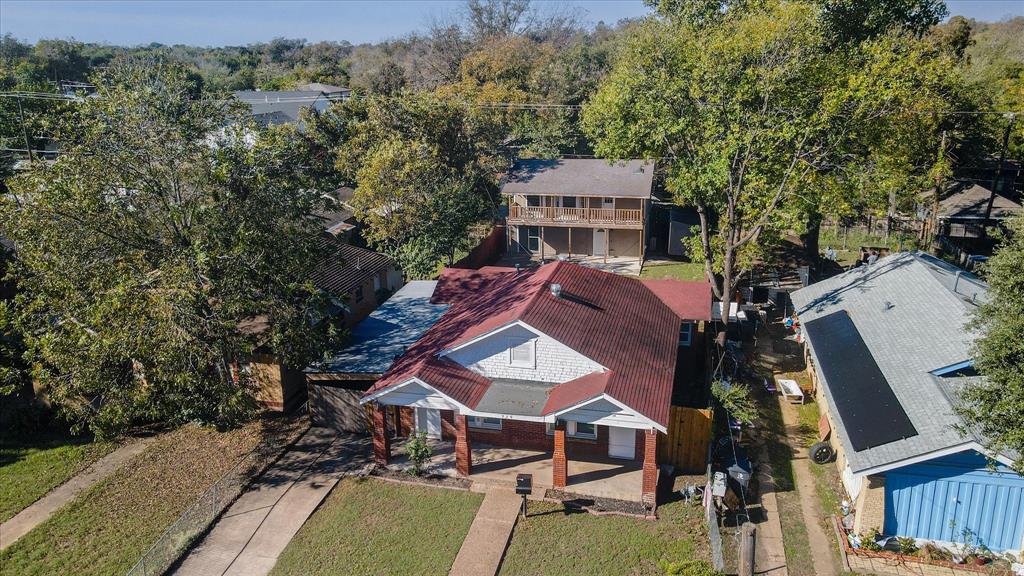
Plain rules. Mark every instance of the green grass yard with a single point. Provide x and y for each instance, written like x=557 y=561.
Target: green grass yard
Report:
x=556 y=541
x=28 y=470
x=673 y=270
x=109 y=526
x=369 y=526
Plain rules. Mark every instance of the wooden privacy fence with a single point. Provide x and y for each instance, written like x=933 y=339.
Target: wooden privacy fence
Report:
x=686 y=444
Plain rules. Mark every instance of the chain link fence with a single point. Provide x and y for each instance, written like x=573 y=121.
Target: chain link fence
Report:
x=201 y=514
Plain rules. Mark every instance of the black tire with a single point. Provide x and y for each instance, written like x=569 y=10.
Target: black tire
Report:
x=822 y=453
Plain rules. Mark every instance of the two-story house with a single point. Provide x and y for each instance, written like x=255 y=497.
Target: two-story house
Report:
x=568 y=362
x=578 y=208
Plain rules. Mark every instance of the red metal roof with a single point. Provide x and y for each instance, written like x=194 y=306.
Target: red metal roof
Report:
x=614 y=320
x=454 y=283
x=689 y=299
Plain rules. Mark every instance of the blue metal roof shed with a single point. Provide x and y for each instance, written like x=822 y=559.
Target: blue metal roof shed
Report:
x=385 y=334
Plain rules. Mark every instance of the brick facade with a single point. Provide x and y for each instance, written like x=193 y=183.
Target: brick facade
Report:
x=407 y=421
x=870 y=505
x=534 y=436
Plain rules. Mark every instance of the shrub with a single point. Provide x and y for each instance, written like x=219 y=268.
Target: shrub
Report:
x=908 y=546
x=419 y=452
x=688 y=568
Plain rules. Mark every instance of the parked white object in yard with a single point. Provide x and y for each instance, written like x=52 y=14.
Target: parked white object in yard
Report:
x=790 y=390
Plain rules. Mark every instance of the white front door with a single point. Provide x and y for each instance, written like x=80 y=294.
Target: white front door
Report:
x=608 y=203
x=599 y=241
x=621 y=442
x=429 y=420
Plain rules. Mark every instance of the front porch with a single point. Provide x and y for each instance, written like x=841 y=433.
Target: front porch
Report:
x=604 y=461
x=495 y=465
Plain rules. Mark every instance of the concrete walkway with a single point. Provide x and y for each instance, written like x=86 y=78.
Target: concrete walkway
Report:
x=40 y=510
x=820 y=542
x=484 y=546
x=254 y=531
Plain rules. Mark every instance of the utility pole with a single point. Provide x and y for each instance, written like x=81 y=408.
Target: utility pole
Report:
x=999 y=169
x=24 y=131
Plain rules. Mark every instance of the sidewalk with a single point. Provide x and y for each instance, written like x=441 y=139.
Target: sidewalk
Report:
x=41 y=509
x=769 y=546
x=484 y=546
x=254 y=531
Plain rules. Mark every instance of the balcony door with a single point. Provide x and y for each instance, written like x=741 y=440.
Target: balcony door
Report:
x=566 y=201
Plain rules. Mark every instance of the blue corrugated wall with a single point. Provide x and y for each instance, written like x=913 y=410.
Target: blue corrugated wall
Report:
x=921 y=501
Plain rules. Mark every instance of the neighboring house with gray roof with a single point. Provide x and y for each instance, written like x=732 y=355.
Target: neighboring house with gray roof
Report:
x=282 y=107
x=889 y=347
x=578 y=208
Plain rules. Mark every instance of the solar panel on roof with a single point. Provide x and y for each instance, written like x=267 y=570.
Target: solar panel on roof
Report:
x=870 y=411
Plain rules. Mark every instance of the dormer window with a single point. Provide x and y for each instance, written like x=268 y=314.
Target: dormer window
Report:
x=522 y=353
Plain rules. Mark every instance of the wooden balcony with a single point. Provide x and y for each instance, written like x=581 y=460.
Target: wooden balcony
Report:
x=584 y=217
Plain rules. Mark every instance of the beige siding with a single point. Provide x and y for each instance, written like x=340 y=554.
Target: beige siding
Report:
x=624 y=242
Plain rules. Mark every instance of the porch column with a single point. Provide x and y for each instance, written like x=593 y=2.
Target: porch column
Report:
x=650 y=470
x=559 y=464
x=570 y=243
x=463 y=454
x=542 y=244
x=381 y=441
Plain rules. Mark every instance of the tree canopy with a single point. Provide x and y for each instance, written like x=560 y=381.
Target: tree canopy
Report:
x=163 y=246
x=758 y=118
x=994 y=406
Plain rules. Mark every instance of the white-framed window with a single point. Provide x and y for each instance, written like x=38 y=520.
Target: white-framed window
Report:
x=685 y=334
x=483 y=422
x=522 y=353
x=576 y=430
x=533 y=238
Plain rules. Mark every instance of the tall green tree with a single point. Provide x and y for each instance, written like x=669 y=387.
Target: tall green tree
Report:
x=166 y=231
x=423 y=167
x=994 y=406
x=756 y=119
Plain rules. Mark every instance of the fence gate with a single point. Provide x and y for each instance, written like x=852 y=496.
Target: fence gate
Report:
x=686 y=444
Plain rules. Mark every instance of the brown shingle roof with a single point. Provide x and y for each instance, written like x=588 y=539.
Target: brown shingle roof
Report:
x=348 y=268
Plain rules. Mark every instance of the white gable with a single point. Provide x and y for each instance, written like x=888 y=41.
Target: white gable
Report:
x=553 y=361
x=412 y=393
x=605 y=411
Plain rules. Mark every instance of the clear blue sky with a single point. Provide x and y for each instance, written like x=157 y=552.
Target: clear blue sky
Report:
x=218 y=23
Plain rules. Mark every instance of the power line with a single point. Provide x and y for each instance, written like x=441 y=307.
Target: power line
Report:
x=494 y=105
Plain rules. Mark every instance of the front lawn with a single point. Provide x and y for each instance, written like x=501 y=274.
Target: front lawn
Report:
x=28 y=470
x=673 y=270
x=109 y=526
x=555 y=540
x=369 y=526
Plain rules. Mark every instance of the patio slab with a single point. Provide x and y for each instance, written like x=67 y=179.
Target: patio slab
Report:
x=624 y=265
x=498 y=466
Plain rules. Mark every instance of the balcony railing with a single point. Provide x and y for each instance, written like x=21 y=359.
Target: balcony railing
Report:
x=554 y=215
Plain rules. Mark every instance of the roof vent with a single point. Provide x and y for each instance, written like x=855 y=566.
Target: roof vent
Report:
x=556 y=290
x=889 y=305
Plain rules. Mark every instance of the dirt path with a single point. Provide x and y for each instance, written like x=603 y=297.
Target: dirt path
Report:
x=41 y=509
x=821 y=544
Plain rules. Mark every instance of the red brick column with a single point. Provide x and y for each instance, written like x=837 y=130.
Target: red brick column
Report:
x=650 y=478
x=407 y=420
x=381 y=439
x=463 y=455
x=559 y=464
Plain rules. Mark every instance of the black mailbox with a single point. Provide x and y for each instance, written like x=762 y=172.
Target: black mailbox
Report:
x=524 y=484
